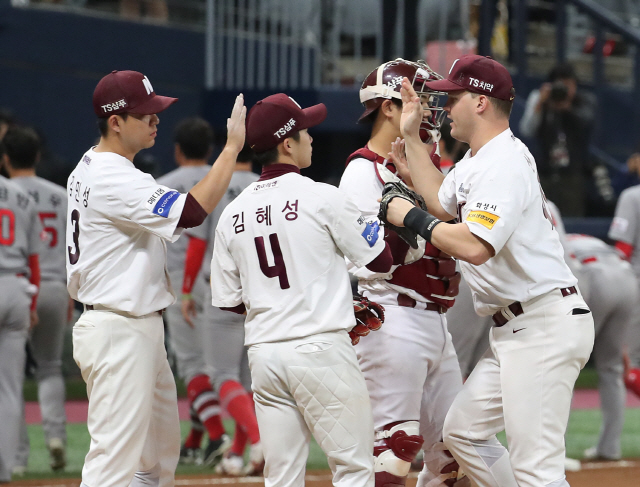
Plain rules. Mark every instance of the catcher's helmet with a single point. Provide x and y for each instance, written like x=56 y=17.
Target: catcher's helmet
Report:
x=385 y=82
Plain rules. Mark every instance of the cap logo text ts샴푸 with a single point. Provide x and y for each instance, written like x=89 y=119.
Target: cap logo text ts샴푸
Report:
x=116 y=105
x=282 y=131
x=395 y=81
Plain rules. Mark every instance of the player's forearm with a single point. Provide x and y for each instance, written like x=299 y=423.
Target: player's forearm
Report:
x=425 y=176
x=210 y=190
x=455 y=239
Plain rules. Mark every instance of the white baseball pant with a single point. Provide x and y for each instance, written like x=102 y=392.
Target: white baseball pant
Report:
x=522 y=385
x=133 y=408
x=312 y=386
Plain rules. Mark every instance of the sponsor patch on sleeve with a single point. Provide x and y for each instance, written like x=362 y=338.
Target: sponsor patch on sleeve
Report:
x=484 y=218
x=162 y=203
x=370 y=233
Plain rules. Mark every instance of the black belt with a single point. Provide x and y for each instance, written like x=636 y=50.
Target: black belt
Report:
x=516 y=307
x=90 y=307
x=409 y=302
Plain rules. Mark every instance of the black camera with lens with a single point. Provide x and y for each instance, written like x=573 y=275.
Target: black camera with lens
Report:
x=559 y=91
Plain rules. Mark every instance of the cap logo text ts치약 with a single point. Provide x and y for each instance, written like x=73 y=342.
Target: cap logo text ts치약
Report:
x=282 y=131
x=480 y=84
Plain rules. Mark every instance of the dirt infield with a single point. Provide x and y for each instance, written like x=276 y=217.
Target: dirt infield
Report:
x=595 y=474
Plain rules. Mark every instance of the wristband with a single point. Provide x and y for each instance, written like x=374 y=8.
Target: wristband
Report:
x=421 y=222
x=187 y=297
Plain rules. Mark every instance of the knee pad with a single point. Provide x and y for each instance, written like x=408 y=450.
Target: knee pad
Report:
x=402 y=442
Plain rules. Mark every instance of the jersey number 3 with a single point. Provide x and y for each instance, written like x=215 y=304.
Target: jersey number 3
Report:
x=278 y=269
x=75 y=221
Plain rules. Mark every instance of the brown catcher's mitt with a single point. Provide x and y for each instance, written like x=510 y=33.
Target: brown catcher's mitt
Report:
x=369 y=317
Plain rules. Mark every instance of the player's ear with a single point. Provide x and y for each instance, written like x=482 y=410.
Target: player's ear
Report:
x=387 y=108
x=113 y=122
x=482 y=103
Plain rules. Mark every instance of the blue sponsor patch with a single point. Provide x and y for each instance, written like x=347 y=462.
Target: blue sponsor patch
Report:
x=164 y=204
x=370 y=233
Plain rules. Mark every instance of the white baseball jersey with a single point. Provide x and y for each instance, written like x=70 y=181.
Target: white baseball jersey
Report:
x=118 y=221
x=626 y=223
x=20 y=229
x=51 y=205
x=280 y=248
x=496 y=193
x=182 y=179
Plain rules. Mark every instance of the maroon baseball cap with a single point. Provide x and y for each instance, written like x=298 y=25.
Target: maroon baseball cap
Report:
x=127 y=91
x=478 y=74
x=277 y=117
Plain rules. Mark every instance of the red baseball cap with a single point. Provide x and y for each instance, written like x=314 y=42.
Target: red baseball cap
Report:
x=277 y=117
x=478 y=74
x=127 y=91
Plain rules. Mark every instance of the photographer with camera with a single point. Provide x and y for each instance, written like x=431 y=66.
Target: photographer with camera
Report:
x=560 y=117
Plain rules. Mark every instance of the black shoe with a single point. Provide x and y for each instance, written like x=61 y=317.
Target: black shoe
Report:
x=215 y=449
x=190 y=456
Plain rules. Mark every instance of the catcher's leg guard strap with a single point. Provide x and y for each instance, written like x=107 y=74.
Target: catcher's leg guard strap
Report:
x=402 y=442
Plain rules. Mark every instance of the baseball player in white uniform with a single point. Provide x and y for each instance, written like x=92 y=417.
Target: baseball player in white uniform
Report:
x=20 y=244
x=410 y=365
x=193 y=138
x=279 y=255
x=625 y=231
x=223 y=334
x=513 y=261
x=613 y=299
x=119 y=220
x=46 y=340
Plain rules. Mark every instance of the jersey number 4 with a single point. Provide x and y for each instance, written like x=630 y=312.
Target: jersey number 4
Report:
x=278 y=269
x=8 y=222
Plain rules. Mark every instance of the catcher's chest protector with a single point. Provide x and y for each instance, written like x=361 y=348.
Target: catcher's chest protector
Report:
x=434 y=276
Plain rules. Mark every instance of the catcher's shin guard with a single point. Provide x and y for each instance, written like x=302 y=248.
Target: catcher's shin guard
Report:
x=402 y=442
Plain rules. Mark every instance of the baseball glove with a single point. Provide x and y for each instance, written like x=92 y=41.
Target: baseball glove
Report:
x=400 y=190
x=369 y=317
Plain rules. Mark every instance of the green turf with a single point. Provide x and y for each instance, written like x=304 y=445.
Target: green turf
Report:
x=582 y=433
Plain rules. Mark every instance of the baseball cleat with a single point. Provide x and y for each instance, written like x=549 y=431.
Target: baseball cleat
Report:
x=231 y=464
x=190 y=456
x=593 y=455
x=256 y=460
x=215 y=449
x=572 y=465
x=57 y=453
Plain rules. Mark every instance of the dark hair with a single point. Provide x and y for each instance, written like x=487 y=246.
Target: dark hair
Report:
x=103 y=125
x=246 y=154
x=372 y=116
x=194 y=136
x=562 y=71
x=271 y=155
x=22 y=146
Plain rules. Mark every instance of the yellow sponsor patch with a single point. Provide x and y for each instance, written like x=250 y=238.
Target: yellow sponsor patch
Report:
x=484 y=218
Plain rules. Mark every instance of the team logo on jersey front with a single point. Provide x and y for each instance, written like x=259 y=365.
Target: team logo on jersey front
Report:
x=484 y=218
